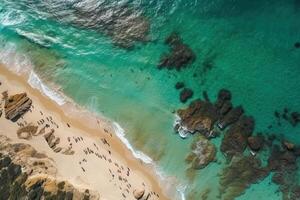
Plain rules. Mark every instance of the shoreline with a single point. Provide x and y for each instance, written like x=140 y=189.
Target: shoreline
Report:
x=88 y=126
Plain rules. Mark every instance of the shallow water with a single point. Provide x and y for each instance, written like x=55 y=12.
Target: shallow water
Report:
x=248 y=44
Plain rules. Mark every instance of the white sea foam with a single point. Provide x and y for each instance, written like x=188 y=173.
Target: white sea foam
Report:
x=18 y=63
x=119 y=131
x=183 y=131
x=36 y=82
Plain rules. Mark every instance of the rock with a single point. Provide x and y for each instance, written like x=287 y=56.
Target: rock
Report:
x=186 y=94
x=138 y=193
x=255 y=142
x=4 y=162
x=179 y=56
x=54 y=142
x=231 y=117
x=295 y=118
x=297 y=45
x=226 y=107
x=288 y=145
x=0 y=113
x=16 y=106
x=49 y=136
x=239 y=175
x=223 y=96
x=179 y=85
x=203 y=152
x=58 y=149
x=235 y=139
x=200 y=117
x=13 y=171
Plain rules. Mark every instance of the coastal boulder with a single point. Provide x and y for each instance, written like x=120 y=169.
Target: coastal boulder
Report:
x=138 y=193
x=203 y=152
x=16 y=106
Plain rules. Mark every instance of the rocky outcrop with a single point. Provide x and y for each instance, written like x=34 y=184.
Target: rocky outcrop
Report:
x=200 y=117
x=186 y=94
x=239 y=175
x=231 y=117
x=203 y=152
x=235 y=139
x=27 y=174
x=255 y=142
x=283 y=164
x=180 y=55
x=16 y=106
x=54 y=141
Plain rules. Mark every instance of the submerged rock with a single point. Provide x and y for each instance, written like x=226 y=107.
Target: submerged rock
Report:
x=283 y=164
x=179 y=56
x=186 y=94
x=16 y=106
x=203 y=152
x=179 y=85
x=235 y=139
x=239 y=175
x=297 y=45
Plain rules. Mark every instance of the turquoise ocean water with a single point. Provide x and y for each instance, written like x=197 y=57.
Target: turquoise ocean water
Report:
x=249 y=46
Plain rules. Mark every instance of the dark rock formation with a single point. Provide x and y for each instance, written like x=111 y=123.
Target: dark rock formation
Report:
x=186 y=94
x=283 y=163
x=235 y=139
x=256 y=142
x=297 y=45
x=200 y=117
x=16 y=106
x=179 y=85
x=203 y=152
x=179 y=56
x=239 y=175
x=223 y=96
x=231 y=117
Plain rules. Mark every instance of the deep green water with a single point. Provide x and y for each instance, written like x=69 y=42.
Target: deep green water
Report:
x=250 y=45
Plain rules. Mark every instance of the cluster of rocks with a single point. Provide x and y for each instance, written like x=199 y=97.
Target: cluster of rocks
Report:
x=241 y=172
x=16 y=106
x=53 y=143
x=185 y=93
x=179 y=56
x=203 y=152
x=201 y=115
x=283 y=163
x=292 y=117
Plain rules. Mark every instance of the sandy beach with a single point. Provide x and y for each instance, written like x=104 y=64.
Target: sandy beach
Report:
x=83 y=151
